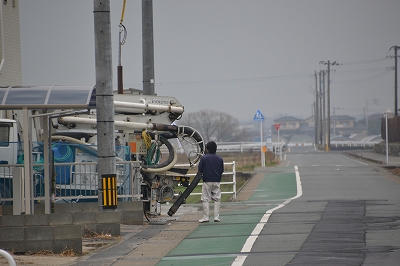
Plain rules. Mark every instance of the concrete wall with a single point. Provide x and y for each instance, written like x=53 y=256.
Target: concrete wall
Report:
x=64 y=228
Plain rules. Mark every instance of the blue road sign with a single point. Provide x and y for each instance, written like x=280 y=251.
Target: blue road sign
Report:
x=258 y=116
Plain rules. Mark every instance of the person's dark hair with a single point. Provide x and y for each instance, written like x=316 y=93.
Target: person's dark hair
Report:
x=211 y=147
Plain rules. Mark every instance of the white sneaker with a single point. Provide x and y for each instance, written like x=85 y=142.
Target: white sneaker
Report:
x=217 y=220
x=204 y=220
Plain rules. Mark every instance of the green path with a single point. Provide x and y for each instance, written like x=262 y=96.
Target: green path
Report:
x=276 y=186
x=218 y=243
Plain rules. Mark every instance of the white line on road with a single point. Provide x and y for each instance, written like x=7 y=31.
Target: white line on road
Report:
x=257 y=230
x=357 y=161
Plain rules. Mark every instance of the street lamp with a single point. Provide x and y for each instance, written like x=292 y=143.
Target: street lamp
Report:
x=388 y=112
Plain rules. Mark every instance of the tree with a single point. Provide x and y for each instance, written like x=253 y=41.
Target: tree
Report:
x=214 y=125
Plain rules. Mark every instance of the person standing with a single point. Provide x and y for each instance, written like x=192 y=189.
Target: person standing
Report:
x=211 y=167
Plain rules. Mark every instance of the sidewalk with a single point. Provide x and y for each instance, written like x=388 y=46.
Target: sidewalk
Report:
x=393 y=161
x=149 y=243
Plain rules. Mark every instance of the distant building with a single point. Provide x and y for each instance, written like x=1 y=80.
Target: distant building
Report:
x=289 y=126
x=373 y=123
x=288 y=123
x=10 y=45
x=343 y=125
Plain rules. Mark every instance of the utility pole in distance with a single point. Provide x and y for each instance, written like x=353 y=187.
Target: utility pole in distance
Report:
x=316 y=118
x=322 y=110
x=395 y=77
x=328 y=63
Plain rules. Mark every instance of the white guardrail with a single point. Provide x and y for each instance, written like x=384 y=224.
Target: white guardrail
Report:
x=226 y=173
x=256 y=146
x=353 y=143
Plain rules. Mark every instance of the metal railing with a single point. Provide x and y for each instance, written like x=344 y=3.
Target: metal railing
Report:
x=354 y=143
x=72 y=182
x=75 y=182
x=254 y=146
x=226 y=173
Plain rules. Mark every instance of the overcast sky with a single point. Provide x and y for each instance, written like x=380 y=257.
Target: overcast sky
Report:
x=232 y=56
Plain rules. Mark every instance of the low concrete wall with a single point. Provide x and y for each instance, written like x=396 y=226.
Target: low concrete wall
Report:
x=394 y=148
x=64 y=228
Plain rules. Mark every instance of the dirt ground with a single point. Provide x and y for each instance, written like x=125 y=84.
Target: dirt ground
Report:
x=49 y=259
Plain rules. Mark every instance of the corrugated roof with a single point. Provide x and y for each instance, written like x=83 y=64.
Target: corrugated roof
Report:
x=50 y=97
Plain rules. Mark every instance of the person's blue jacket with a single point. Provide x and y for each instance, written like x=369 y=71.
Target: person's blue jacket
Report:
x=211 y=166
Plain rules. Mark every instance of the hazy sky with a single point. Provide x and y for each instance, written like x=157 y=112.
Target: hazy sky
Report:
x=232 y=56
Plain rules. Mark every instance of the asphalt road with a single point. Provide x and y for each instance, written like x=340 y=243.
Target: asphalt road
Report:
x=316 y=208
x=348 y=214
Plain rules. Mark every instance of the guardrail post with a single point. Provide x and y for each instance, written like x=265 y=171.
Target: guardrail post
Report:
x=135 y=180
x=234 y=180
x=18 y=188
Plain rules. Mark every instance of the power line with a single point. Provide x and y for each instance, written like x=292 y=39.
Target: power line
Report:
x=362 y=80
x=367 y=61
x=284 y=77
x=281 y=77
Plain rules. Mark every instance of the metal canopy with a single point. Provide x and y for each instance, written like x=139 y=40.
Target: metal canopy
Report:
x=45 y=98
x=48 y=97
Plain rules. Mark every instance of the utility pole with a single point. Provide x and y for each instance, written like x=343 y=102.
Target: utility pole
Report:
x=316 y=119
x=395 y=78
x=321 y=118
x=148 y=47
x=104 y=93
x=328 y=146
x=326 y=119
x=334 y=121
x=328 y=63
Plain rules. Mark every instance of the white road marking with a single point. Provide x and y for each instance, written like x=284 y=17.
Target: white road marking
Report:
x=257 y=230
x=357 y=161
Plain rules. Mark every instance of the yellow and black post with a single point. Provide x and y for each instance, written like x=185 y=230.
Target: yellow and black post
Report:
x=109 y=185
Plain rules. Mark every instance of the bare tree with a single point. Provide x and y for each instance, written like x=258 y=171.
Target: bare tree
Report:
x=214 y=125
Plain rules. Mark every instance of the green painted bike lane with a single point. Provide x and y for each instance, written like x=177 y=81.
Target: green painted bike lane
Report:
x=219 y=243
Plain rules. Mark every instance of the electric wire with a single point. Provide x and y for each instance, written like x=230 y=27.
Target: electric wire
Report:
x=361 y=80
x=367 y=61
x=309 y=76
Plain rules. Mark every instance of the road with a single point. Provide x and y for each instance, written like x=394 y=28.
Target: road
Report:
x=316 y=208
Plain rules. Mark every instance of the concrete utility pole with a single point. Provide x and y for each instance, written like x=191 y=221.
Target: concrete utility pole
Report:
x=328 y=143
x=148 y=47
x=328 y=63
x=395 y=78
x=321 y=109
x=316 y=118
x=104 y=92
x=326 y=118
